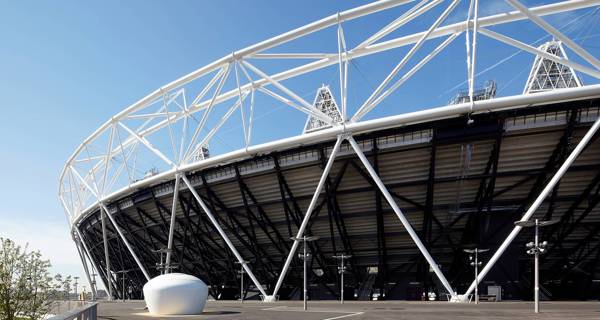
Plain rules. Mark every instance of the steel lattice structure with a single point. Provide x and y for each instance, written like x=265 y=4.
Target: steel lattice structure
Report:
x=171 y=128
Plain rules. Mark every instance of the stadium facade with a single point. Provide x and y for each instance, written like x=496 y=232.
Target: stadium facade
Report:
x=403 y=195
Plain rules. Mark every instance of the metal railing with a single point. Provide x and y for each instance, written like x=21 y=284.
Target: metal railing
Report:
x=86 y=312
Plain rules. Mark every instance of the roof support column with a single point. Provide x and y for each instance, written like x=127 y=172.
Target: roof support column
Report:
x=172 y=224
x=114 y=223
x=538 y=201
x=309 y=211
x=82 y=249
x=223 y=235
x=400 y=215
x=106 y=255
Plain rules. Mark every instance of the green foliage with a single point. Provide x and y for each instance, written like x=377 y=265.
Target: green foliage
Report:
x=25 y=283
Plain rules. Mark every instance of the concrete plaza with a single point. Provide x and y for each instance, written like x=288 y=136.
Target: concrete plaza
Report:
x=330 y=310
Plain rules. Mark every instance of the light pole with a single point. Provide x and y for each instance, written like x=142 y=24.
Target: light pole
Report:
x=342 y=270
x=75 y=285
x=123 y=272
x=93 y=286
x=305 y=257
x=241 y=272
x=475 y=254
x=535 y=248
x=162 y=266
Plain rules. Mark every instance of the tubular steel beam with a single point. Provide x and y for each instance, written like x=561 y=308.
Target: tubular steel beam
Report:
x=133 y=254
x=106 y=255
x=538 y=201
x=319 y=64
x=381 y=245
x=311 y=207
x=172 y=224
x=555 y=33
x=400 y=215
x=85 y=268
x=87 y=252
x=224 y=236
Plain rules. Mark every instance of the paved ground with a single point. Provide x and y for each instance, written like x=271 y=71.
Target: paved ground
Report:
x=330 y=310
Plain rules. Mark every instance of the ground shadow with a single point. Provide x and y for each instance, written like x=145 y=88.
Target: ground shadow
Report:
x=217 y=313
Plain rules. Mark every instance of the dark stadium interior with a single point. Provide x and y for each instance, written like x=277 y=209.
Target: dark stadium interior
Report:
x=460 y=185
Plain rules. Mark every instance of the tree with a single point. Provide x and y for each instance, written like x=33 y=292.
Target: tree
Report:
x=40 y=287
x=25 y=284
x=66 y=285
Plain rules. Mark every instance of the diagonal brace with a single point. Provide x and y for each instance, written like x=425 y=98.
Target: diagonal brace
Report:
x=400 y=215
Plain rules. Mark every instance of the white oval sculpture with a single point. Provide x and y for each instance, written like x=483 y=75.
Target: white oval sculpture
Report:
x=175 y=293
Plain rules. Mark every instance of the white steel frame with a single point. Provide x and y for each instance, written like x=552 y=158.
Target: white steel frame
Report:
x=161 y=113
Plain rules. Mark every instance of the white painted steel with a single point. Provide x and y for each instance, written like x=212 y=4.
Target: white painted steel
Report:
x=434 y=266
x=536 y=280
x=85 y=267
x=555 y=33
x=82 y=193
x=347 y=15
x=503 y=103
x=311 y=206
x=367 y=105
x=538 y=201
x=172 y=223
x=494 y=35
x=106 y=256
x=87 y=253
x=216 y=224
x=129 y=248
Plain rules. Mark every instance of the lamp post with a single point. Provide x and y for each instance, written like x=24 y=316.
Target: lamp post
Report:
x=475 y=254
x=123 y=272
x=75 y=285
x=305 y=257
x=241 y=272
x=93 y=286
x=342 y=270
x=162 y=266
x=535 y=248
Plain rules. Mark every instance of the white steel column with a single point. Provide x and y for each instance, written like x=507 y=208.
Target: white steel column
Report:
x=88 y=254
x=536 y=281
x=85 y=267
x=400 y=215
x=311 y=207
x=555 y=33
x=135 y=257
x=223 y=235
x=106 y=256
x=538 y=201
x=172 y=225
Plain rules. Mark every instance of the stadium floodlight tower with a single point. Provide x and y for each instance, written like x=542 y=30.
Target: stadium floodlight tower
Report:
x=547 y=74
x=325 y=103
x=117 y=214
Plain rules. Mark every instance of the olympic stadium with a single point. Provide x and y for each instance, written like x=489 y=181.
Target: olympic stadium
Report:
x=214 y=173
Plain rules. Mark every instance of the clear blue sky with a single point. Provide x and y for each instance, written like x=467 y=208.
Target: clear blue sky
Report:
x=67 y=66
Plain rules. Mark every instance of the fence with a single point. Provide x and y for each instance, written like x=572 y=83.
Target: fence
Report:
x=86 y=312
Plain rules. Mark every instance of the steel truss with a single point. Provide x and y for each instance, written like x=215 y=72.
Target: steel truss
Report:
x=160 y=127
x=236 y=213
